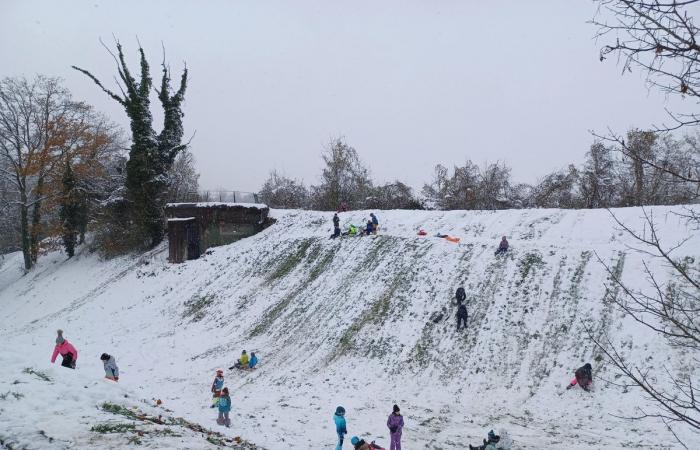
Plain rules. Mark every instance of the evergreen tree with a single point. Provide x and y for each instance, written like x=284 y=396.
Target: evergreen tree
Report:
x=151 y=154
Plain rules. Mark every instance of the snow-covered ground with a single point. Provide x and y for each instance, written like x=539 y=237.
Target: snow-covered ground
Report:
x=347 y=322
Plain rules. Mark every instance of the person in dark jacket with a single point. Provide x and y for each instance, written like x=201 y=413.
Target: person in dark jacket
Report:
x=489 y=443
x=336 y=232
x=583 y=377
x=460 y=295
x=503 y=246
x=336 y=220
x=462 y=316
x=395 y=425
x=370 y=228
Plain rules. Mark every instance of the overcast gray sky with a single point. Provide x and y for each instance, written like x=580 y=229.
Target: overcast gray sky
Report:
x=409 y=84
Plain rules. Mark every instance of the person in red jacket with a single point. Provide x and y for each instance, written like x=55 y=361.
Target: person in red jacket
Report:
x=67 y=351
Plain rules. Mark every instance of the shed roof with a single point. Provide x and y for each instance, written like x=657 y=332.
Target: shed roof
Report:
x=222 y=205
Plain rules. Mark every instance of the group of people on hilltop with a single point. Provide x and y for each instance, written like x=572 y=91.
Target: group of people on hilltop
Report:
x=394 y=423
x=371 y=227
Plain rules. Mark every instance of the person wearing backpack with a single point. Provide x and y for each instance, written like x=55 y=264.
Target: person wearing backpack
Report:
x=224 y=408
x=460 y=295
x=395 y=425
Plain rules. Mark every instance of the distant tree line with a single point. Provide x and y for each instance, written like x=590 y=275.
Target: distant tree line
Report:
x=639 y=170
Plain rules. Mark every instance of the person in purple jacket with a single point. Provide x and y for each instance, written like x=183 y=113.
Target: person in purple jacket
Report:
x=395 y=424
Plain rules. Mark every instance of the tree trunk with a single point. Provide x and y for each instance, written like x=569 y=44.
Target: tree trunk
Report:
x=24 y=229
x=36 y=221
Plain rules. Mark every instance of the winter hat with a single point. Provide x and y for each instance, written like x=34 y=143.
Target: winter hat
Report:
x=354 y=440
x=104 y=357
x=339 y=411
x=243 y=352
x=396 y=408
x=59 y=338
x=492 y=435
x=587 y=366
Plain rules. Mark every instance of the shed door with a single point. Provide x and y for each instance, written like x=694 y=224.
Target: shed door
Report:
x=192 y=241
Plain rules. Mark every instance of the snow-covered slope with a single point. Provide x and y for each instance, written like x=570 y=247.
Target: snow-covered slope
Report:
x=347 y=322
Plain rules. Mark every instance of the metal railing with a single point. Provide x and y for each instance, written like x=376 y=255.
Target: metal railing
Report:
x=223 y=196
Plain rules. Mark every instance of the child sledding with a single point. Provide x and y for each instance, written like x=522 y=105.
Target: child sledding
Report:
x=360 y=444
x=245 y=362
x=493 y=442
x=583 y=377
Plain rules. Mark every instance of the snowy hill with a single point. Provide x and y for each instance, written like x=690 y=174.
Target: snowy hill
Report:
x=349 y=322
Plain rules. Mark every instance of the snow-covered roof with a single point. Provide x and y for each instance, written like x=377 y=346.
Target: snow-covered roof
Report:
x=217 y=204
x=181 y=219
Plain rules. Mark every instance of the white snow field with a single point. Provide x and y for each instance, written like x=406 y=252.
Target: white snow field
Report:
x=346 y=322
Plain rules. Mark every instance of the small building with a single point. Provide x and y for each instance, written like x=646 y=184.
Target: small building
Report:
x=195 y=227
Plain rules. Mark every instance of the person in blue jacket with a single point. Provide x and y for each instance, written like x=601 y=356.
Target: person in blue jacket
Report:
x=375 y=222
x=340 y=426
x=224 y=409
x=253 y=360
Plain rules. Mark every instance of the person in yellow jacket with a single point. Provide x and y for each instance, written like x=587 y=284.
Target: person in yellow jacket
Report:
x=242 y=362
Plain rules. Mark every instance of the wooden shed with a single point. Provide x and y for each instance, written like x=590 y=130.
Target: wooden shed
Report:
x=195 y=227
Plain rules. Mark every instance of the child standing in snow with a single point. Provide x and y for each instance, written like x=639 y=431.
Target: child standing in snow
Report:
x=216 y=387
x=111 y=369
x=340 y=426
x=224 y=408
x=395 y=424
x=67 y=351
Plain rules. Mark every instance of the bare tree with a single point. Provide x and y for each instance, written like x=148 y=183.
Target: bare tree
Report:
x=28 y=108
x=669 y=308
x=183 y=178
x=344 y=179
x=659 y=37
x=280 y=191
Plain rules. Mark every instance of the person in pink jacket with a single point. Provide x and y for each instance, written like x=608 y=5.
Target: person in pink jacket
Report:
x=67 y=351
